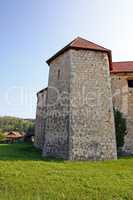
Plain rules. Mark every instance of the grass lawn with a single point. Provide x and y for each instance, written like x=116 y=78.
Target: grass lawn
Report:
x=24 y=175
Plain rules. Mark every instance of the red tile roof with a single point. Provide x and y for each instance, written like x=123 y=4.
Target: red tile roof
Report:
x=14 y=134
x=118 y=67
x=80 y=43
x=85 y=44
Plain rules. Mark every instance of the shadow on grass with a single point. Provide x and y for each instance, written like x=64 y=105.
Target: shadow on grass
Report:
x=23 y=152
x=27 y=152
x=125 y=157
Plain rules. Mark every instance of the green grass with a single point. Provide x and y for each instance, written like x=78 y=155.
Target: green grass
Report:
x=24 y=175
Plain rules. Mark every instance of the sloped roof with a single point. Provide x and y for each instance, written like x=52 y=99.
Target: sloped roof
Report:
x=85 y=44
x=13 y=134
x=80 y=43
x=118 y=67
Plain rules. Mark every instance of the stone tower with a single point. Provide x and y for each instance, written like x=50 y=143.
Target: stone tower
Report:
x=40 y=118
x=79 y=121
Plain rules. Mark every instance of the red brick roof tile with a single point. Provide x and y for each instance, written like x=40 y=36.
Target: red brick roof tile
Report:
x=118 y=67
x=80 y=43
x=85 y=44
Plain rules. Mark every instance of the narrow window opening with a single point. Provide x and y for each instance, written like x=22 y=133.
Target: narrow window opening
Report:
x=58 y=74
x=130 y=83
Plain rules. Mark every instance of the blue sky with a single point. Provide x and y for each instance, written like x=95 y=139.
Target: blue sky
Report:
x=33 y=30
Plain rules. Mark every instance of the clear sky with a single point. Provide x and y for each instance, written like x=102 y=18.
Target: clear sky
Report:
x=33 y=30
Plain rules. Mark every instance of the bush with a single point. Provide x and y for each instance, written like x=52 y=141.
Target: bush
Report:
x=2 y=136
x=120 y=128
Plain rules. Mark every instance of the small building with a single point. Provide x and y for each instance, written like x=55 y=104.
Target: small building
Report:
x=13 y=136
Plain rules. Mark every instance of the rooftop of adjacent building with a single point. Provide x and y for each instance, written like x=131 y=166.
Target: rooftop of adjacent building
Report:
x=14 y=134
x=123 y=66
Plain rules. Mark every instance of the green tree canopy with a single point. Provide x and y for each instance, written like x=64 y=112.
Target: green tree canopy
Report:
x=2 y=136
x=16 y=124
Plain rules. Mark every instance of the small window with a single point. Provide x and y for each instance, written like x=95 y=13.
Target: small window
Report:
x=58 y=76
x=130 y=83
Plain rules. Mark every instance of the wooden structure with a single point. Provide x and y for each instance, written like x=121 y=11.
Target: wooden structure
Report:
x=14 y=136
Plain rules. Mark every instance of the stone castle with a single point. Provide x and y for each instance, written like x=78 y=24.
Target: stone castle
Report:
x=74 y=118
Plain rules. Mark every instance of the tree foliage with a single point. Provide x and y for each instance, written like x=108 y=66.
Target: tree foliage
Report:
x=2 y=136
x=120 y=128
x=16 y=124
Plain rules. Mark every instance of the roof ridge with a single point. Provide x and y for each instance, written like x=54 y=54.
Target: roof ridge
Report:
x=81 y=43
x=121 y=61
x=90 y=42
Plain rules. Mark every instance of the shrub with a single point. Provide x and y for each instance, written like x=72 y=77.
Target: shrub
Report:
x=2 y=136
x=120 y=128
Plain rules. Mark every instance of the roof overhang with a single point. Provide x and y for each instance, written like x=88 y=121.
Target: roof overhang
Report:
x=41 y=91
x=82 y=44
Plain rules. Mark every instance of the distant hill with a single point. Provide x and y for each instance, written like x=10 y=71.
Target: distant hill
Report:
x=9 y=123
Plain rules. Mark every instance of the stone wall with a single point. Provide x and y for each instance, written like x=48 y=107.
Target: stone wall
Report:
x=120 y=92
x=74 y=117
x=57 y=122
x=40 y=119
x=80 y=123
x=92 y=133
x=123 y=100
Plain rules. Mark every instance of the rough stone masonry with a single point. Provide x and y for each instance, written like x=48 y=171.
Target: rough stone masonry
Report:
x=77 y=122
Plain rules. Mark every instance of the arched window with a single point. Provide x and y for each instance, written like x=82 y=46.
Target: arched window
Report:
x=58 y=76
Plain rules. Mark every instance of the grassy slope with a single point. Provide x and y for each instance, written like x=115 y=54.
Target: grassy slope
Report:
x=25 y=176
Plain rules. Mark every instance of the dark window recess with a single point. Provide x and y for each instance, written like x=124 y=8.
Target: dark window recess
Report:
x=130 y=83
x=58 y=74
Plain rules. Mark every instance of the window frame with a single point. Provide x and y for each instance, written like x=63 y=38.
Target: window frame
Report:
x=130 y=83
x=58 y=74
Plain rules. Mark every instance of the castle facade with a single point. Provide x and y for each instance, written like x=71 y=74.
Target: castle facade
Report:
x=74 y=118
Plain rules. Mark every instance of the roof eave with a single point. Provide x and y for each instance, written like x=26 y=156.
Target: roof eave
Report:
x=57 y=54
x=77 y=48
x=124 y=71
x=41 y=91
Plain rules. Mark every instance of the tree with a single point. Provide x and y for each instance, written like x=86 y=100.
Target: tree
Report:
x=16 y=124
x=120 y=128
